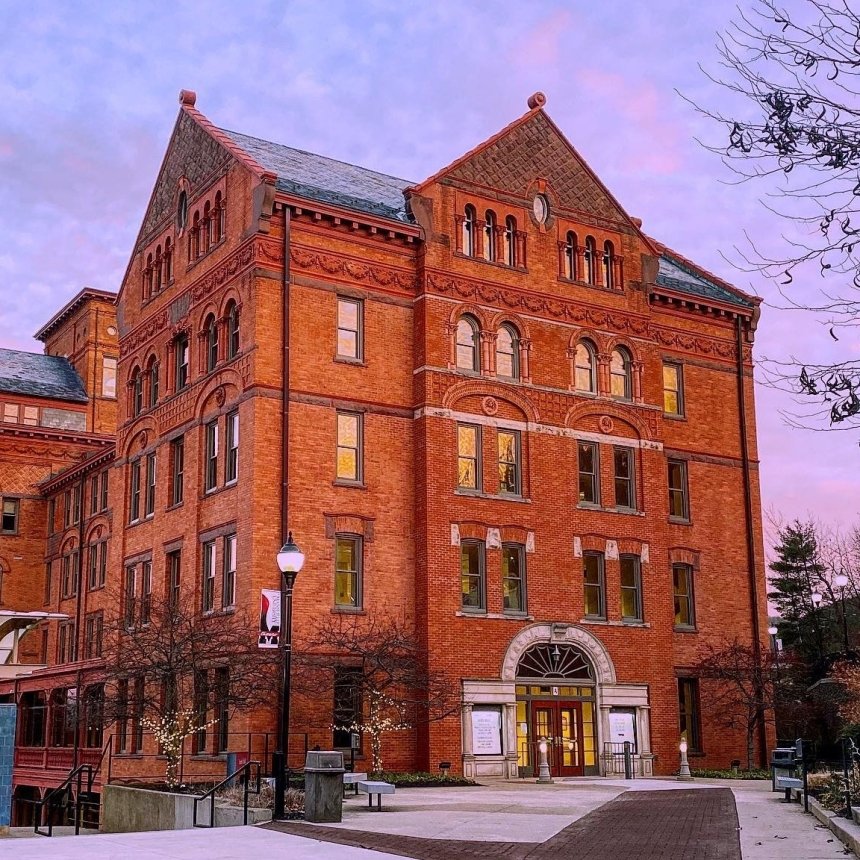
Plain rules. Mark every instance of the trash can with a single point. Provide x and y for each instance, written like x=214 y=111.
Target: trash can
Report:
x=781 y=764
x=324 y=772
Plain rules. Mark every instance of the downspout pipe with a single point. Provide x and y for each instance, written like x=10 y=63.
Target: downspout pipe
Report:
x=750 y=537
x=285 y=403
x=79 y=597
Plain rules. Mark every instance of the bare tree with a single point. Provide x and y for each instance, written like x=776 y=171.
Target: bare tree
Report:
x=795 y=127
x=383 y=666
x=169 y=666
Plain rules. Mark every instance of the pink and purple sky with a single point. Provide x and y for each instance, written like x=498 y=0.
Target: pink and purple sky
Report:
x=89 y=95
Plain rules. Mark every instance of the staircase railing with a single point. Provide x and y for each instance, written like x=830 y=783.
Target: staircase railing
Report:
x=245 y=771
x=64 y=796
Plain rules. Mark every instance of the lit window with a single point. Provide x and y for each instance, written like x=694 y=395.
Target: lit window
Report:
x=490 y=237
x=349 y=313
x=349 y=446
x=472 y=575
x=468 y=456
x=507 y=352
x=108 y=377
x=347 y=573
x=589 y=473
x=469 y=220
x=673 y=389
x=595 y=602
x=513 y=578
x=585 y=369
x=631 y=588
x=467 y=344
x=679 y=505
x=621 y=385
x=625 y=491
x=682 y=587
x=509 y=462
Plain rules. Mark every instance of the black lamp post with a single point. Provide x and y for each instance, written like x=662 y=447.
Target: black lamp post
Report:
x=290 y=562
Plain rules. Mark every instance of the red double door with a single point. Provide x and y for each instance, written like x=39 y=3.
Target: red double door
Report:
x=560 y=723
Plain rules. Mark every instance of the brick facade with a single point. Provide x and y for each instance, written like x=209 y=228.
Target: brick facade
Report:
x=273 y=246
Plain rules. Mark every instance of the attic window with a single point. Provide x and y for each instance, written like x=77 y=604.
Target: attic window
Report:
x=182 y=210
x=540 y=206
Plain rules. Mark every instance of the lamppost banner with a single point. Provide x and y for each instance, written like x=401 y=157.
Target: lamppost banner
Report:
x=270 y=618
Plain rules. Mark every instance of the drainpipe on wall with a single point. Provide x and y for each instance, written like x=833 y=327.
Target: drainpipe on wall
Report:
x=79 y=581
x=750 y=536
x=285 y=403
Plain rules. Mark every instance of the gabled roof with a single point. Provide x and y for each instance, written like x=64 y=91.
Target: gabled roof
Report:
x=70 y=307
x=326 y=180
x=30 y=373
x=676 y=272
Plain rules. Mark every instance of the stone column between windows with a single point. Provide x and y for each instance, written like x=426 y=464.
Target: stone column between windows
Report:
x=638 y=366
x=478 y=238
x=525 y=359
x=499 y=230
x=170 y=375
x=451 y=332
x=604 y=385
x=571 y=357
x=458 y=230
x=562 y=268
x=488 y=353
x=521 y=249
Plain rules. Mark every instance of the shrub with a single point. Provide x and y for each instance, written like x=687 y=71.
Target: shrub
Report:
x=422 y=780
x=732 y=774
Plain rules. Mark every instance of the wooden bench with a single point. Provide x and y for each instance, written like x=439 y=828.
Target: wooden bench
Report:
x=353 y=779
x=371 y=787
x=788 y=783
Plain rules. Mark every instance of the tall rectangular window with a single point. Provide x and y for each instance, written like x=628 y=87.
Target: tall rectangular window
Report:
x=9 y=522
x=595 y=596
x=347 y=705
x=174 y=578
x=211 y=481
x=52 y=515
x=231 y=468
x=146 y=592
x=228 y=583
x=679 y=499
x=177 y=470
x=689 y=713
x=509 y=462
x=76 y=504
x=631 y=588
x=67 y=509
x=209 y=576
x=348 y=571
x=108 y=377
x=625 y=489
x=472 y=575
x=201 y=708
x=673 y=389
x=349 y=444
x=222 y=695
x=71 y=562
x=95 y=505
x=468 y=457
x=513 y=577
x=134 y=493
x=349 y=329
x=93 y=568
x=589 y=473
x=65 y=641
x=149 y=501
x=137 y=714
x=181 y=356
x=682 y=587
x=104 y=488
x=98 y=565
x=49 y=582
x=122 y=721
x=93 y=633
x=130 y=597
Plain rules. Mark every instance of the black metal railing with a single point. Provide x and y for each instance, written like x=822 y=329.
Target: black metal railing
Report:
x=70 y=794
x=242 y=772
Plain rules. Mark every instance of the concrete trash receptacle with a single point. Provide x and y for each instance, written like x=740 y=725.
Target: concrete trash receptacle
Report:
x=324 y=772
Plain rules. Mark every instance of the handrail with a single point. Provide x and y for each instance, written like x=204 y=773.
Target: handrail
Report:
x=64 y=791
x=246 y=770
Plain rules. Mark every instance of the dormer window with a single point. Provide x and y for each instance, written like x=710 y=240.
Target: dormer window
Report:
x=469 y=224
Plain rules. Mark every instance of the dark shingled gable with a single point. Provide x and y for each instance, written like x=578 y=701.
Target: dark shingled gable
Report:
x=326 y=180
x=38 y=375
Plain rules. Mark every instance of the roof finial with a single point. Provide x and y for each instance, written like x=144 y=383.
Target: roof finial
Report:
x=187 y=97
x=537 y=100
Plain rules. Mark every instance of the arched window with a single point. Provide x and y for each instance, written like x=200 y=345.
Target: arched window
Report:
x=232 y=330
x=157 y=270
x=548 y=660
x=207 y=227
x=168 y=261
x=136 y=391
x=584 y=367
x=211 y=329
x=219 y=217
x=467 y=344
x=608 y=265
x=469 y=231
x=511 y=240
x=590 y=261
x=152 y=373
x=490 y=236
x=147 y=278
x=570 y=252
x=507 y=352
x=619 y=374
x=195 y=236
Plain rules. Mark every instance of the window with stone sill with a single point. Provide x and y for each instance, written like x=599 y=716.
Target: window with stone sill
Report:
x=349 y=447
x=467 y=344
x=594 y=586
x=625 y=485
x=348 y=571
x=468 y=457
x=9 y=522
x=508 y=352
x=472 y=581
x=682 y=588
x=513 y=578
x=589 y=473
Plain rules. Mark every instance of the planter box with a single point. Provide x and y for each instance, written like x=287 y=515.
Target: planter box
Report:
x=131 y=810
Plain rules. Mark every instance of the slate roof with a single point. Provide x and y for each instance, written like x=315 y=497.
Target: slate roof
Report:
x=31 y=373
x=327 y=180
x=674 y=274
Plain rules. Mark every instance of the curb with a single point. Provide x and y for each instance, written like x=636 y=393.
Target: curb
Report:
x=847 y=832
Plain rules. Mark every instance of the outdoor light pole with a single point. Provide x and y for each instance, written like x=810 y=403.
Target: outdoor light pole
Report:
x=290 y=561
x=840 y=581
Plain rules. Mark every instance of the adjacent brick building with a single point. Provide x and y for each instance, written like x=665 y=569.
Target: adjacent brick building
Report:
x=486 y=403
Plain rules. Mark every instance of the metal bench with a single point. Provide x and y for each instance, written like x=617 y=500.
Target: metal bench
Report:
x=371 y=787
x=353 y=779
x=788 y=783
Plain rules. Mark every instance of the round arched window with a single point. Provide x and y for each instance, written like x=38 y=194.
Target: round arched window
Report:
x=182 y=210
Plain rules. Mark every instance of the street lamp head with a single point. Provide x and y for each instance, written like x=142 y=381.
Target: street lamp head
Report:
x=773 y=630
x=816 y=598
x=683 y=746
x=840 y=580
x=290 y=559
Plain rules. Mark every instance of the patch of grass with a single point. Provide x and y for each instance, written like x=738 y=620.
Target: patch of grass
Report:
x=756 y=773
x=421 y=780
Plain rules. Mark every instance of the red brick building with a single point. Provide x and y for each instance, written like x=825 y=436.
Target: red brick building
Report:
x=486 y=403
